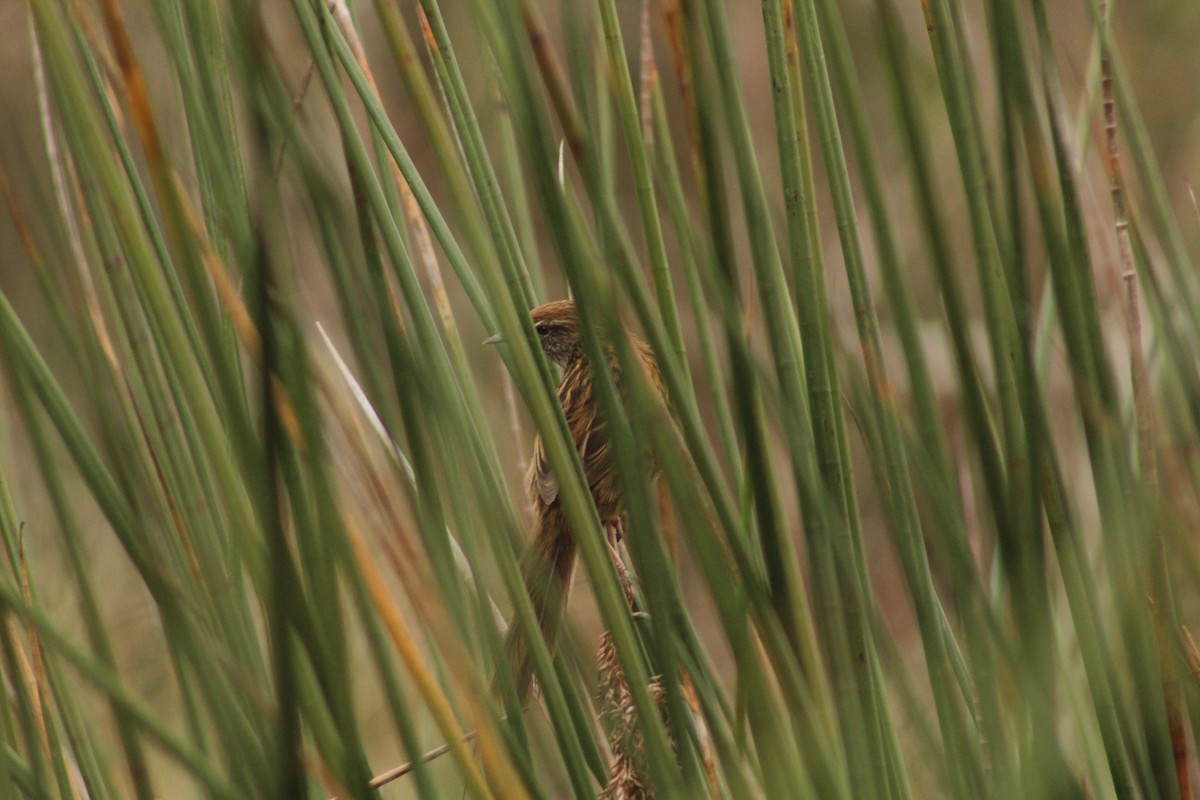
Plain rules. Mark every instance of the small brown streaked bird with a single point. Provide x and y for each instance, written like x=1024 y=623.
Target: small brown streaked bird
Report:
x=549 y=563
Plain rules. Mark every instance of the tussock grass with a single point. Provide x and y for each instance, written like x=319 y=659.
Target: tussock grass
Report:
x=928 y=457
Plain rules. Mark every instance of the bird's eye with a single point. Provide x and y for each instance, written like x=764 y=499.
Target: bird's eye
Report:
x=540 y=328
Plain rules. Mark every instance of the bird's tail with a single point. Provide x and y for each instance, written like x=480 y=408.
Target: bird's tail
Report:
x=548 y=567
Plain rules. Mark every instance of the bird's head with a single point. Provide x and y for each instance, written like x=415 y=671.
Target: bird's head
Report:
x=557 y=328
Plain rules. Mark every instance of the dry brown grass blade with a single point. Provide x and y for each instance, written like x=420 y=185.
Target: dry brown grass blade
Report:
x=397 y=772
x=135 y=82
x=412 y=210
x=1144 y=414
x=410 y=654
x=472 y=695
x=227 y=292
x=1143 y=409
x=648 y=80
x=674 y=25
x=553 y=77
x=707 y=755
x=231 y=300
x=367 y=478
x=32 y=668
x=59 y=173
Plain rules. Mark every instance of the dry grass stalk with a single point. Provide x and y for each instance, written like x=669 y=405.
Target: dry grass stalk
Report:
x=627 y=777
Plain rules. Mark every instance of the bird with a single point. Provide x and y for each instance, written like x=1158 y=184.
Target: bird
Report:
x=548 y=565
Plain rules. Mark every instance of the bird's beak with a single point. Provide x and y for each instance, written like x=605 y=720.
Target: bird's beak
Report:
x=499 y=337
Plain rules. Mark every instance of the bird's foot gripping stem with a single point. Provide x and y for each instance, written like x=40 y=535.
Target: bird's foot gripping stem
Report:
x=614 y=532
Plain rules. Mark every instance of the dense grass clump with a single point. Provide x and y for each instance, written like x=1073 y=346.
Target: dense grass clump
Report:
x=927 y=324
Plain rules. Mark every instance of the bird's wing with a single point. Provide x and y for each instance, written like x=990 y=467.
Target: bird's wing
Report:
x=591 y=439
x=587 y=432
x=541 y=479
